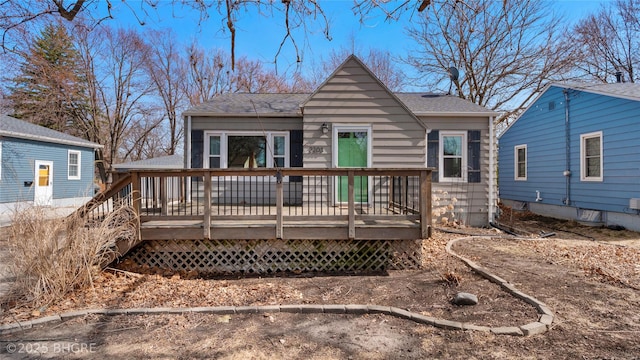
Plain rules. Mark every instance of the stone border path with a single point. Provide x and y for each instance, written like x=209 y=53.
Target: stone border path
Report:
x=537 y=327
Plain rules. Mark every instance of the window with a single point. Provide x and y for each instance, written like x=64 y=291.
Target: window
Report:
x=591 y=157
x=73 y=165
x=520 y=162
x=246 y=150
x=453 y=160
x=0 y=160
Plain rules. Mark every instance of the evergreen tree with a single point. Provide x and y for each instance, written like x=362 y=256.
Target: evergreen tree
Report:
x=50 y=88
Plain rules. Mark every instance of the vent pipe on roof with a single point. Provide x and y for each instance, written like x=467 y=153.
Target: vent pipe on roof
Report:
x=618 y=76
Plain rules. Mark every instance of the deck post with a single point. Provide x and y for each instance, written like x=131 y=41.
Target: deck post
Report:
x=206 y=223
x=352 y=206
x=136 y=201
x=279 y=205
x=136 y=194
x=425 y=204
x=163 y=196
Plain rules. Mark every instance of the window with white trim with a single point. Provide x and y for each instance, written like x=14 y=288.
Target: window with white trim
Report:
x=520 y=162
x=453 y=156
x=228 y=150
x=73 y=165
x=591 y=159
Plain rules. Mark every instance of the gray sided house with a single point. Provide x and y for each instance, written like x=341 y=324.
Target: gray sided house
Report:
x=573 y=154
x=40 y=166
x=354 y=120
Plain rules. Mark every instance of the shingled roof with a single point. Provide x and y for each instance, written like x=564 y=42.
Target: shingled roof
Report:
x=629 y=91
x=242 y=104
x=287 y=105
x=15 y=128
x=162 y=162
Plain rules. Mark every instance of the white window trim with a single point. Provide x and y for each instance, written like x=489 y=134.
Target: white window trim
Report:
x=69 y=152
x=583 y=163
x=224 y=136
x=515 y=162
x=441 y=176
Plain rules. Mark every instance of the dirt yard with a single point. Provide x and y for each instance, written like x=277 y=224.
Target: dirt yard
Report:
x=590 y=278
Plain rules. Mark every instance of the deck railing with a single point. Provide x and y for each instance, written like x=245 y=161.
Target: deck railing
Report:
x=281 y=196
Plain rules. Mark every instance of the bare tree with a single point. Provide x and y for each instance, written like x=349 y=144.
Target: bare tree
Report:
x=207 y=76
x=298 y=17
x=167 y=69
x=294 y=14
x=252 y=77
x=380 y=62
x=607 y=42
x=210 y=73
x=506 y=51
x=124 y=88
x=144 y=139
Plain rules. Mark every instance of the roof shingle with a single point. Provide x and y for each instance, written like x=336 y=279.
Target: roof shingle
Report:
x=289 y=104
x=12 y=127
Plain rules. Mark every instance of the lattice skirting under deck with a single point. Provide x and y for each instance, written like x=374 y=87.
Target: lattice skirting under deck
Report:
x=271 y=256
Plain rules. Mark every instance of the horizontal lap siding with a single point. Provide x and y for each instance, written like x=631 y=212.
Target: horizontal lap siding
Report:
x=353 y=97
x=619 y=121
x=472 y=199
x=543 y=131
x=18 y=166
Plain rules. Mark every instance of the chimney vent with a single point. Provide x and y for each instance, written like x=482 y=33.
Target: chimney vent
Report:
x=618 y=76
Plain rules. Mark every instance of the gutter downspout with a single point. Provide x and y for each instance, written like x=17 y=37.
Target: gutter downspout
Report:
x=492 y=185
x=567 y=171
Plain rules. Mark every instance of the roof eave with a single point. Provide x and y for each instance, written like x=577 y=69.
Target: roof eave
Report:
x=251 y=114
x=594 y=91
x=16 y=135
x=457 y=114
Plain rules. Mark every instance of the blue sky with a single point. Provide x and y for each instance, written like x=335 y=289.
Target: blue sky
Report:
x=258 y=37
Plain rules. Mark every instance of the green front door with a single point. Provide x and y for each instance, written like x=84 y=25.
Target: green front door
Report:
x=353 y=152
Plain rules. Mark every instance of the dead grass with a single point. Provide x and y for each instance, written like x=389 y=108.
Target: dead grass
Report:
x=51 y=258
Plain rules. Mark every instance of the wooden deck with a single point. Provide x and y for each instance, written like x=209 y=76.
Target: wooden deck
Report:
x=266 y=220
x=363 y=228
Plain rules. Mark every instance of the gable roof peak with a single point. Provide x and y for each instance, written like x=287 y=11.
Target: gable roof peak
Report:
x=354 y=58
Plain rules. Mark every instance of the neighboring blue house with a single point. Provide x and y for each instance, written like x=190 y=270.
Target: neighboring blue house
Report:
x=575 y=154
x=40 y=166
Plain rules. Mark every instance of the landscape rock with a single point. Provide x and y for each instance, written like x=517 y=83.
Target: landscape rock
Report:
x=463 y=298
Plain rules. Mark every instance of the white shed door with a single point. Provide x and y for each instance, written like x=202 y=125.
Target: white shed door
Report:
x=43 y=189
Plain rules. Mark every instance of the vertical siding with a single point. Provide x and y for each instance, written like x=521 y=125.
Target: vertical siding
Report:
x=18 y=161
x=543 y=131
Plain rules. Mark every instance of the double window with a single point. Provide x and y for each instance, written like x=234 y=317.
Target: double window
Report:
x=591 y=157
x=228 y=150
x=73 y=165
x=520 y=162
x=453 y=157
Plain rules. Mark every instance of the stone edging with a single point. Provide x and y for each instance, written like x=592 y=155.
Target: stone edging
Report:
x=538 y=327
x=546 y=315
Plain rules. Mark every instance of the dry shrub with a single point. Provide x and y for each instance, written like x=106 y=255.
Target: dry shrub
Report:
x=51 y=258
